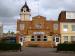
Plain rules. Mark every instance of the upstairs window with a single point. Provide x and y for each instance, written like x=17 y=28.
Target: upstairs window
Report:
x=22 y=26
x=65 y=27
x=38 y=26
x=73 y=27
x=55 y=26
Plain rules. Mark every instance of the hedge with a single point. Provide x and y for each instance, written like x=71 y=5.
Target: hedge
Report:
x=9 y=46
x=66 y=47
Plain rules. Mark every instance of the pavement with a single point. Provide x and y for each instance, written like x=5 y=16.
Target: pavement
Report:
x=35 y=52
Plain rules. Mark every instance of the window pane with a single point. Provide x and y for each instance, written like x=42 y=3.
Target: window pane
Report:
x=65 y=26
x=55 y=26
x=65 y=38
x=22 y=26
x=38 y=26
x=72 y=38
x=32 y=39
x=57 y=39
x=73 y=27
x=32 y=36
x=45 y=38
x=38 y=38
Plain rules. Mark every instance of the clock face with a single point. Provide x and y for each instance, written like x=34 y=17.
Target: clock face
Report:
x=70 y=15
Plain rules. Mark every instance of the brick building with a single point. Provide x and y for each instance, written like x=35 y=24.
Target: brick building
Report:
x=67 y=26
x=39 y=31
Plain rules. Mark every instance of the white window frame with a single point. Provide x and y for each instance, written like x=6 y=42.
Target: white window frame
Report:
x=72 y=28
x=65 y=29
x=65 y=40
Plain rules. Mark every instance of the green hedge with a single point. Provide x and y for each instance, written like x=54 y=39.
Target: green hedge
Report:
x=66 y=47
x=6 y=46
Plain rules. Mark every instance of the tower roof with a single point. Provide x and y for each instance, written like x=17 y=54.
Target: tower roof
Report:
x=25 y=6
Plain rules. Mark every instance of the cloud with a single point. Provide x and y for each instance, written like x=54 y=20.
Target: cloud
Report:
x=10 y=9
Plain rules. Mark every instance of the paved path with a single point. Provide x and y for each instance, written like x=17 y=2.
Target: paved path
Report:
x=36 y=52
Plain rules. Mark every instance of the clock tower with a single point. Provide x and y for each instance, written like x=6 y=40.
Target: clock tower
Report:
x=25 y=13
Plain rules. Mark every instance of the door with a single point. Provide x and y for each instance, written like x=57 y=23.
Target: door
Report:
x=56 y=40
x=21 y=38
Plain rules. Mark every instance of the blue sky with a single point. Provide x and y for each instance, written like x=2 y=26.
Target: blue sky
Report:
x=10 y=9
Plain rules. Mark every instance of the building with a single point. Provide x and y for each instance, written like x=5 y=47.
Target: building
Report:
x=37 y=31
x=67 y=26
x=1 y=30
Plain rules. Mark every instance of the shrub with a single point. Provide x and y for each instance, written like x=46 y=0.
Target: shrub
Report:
x=6 y=46
x=66 y=47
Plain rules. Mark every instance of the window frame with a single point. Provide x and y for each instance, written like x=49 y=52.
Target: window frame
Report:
x=73 y=28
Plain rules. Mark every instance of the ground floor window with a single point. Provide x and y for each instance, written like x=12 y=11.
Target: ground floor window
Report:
x=38 y=38
x=45 y=38
x=32 y=38
x=73 y=39
x=65 y=39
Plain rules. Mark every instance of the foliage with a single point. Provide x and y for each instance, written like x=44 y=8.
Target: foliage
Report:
x=66 y=47
x=6 y=46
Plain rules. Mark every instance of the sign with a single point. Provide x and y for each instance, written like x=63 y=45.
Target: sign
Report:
x=38 y=33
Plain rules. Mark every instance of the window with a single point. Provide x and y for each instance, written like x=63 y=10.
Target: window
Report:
x=38 y=26
x=38 y=38
x=73 y=27
x=20 y=39
x=32 y=39
x=65 y=38
x=65 y=28
x=57 y=39
x=45 y=38
x=73 y=38
x=55 y=26
x=22 y=26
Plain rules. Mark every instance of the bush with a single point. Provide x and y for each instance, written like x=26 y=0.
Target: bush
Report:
x=66 y=47
x=6 y=46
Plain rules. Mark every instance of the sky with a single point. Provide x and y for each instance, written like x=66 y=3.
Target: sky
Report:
x=10 y=10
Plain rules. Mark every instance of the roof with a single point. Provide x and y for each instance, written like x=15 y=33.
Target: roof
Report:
x=62 y=17
x=25 y=6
